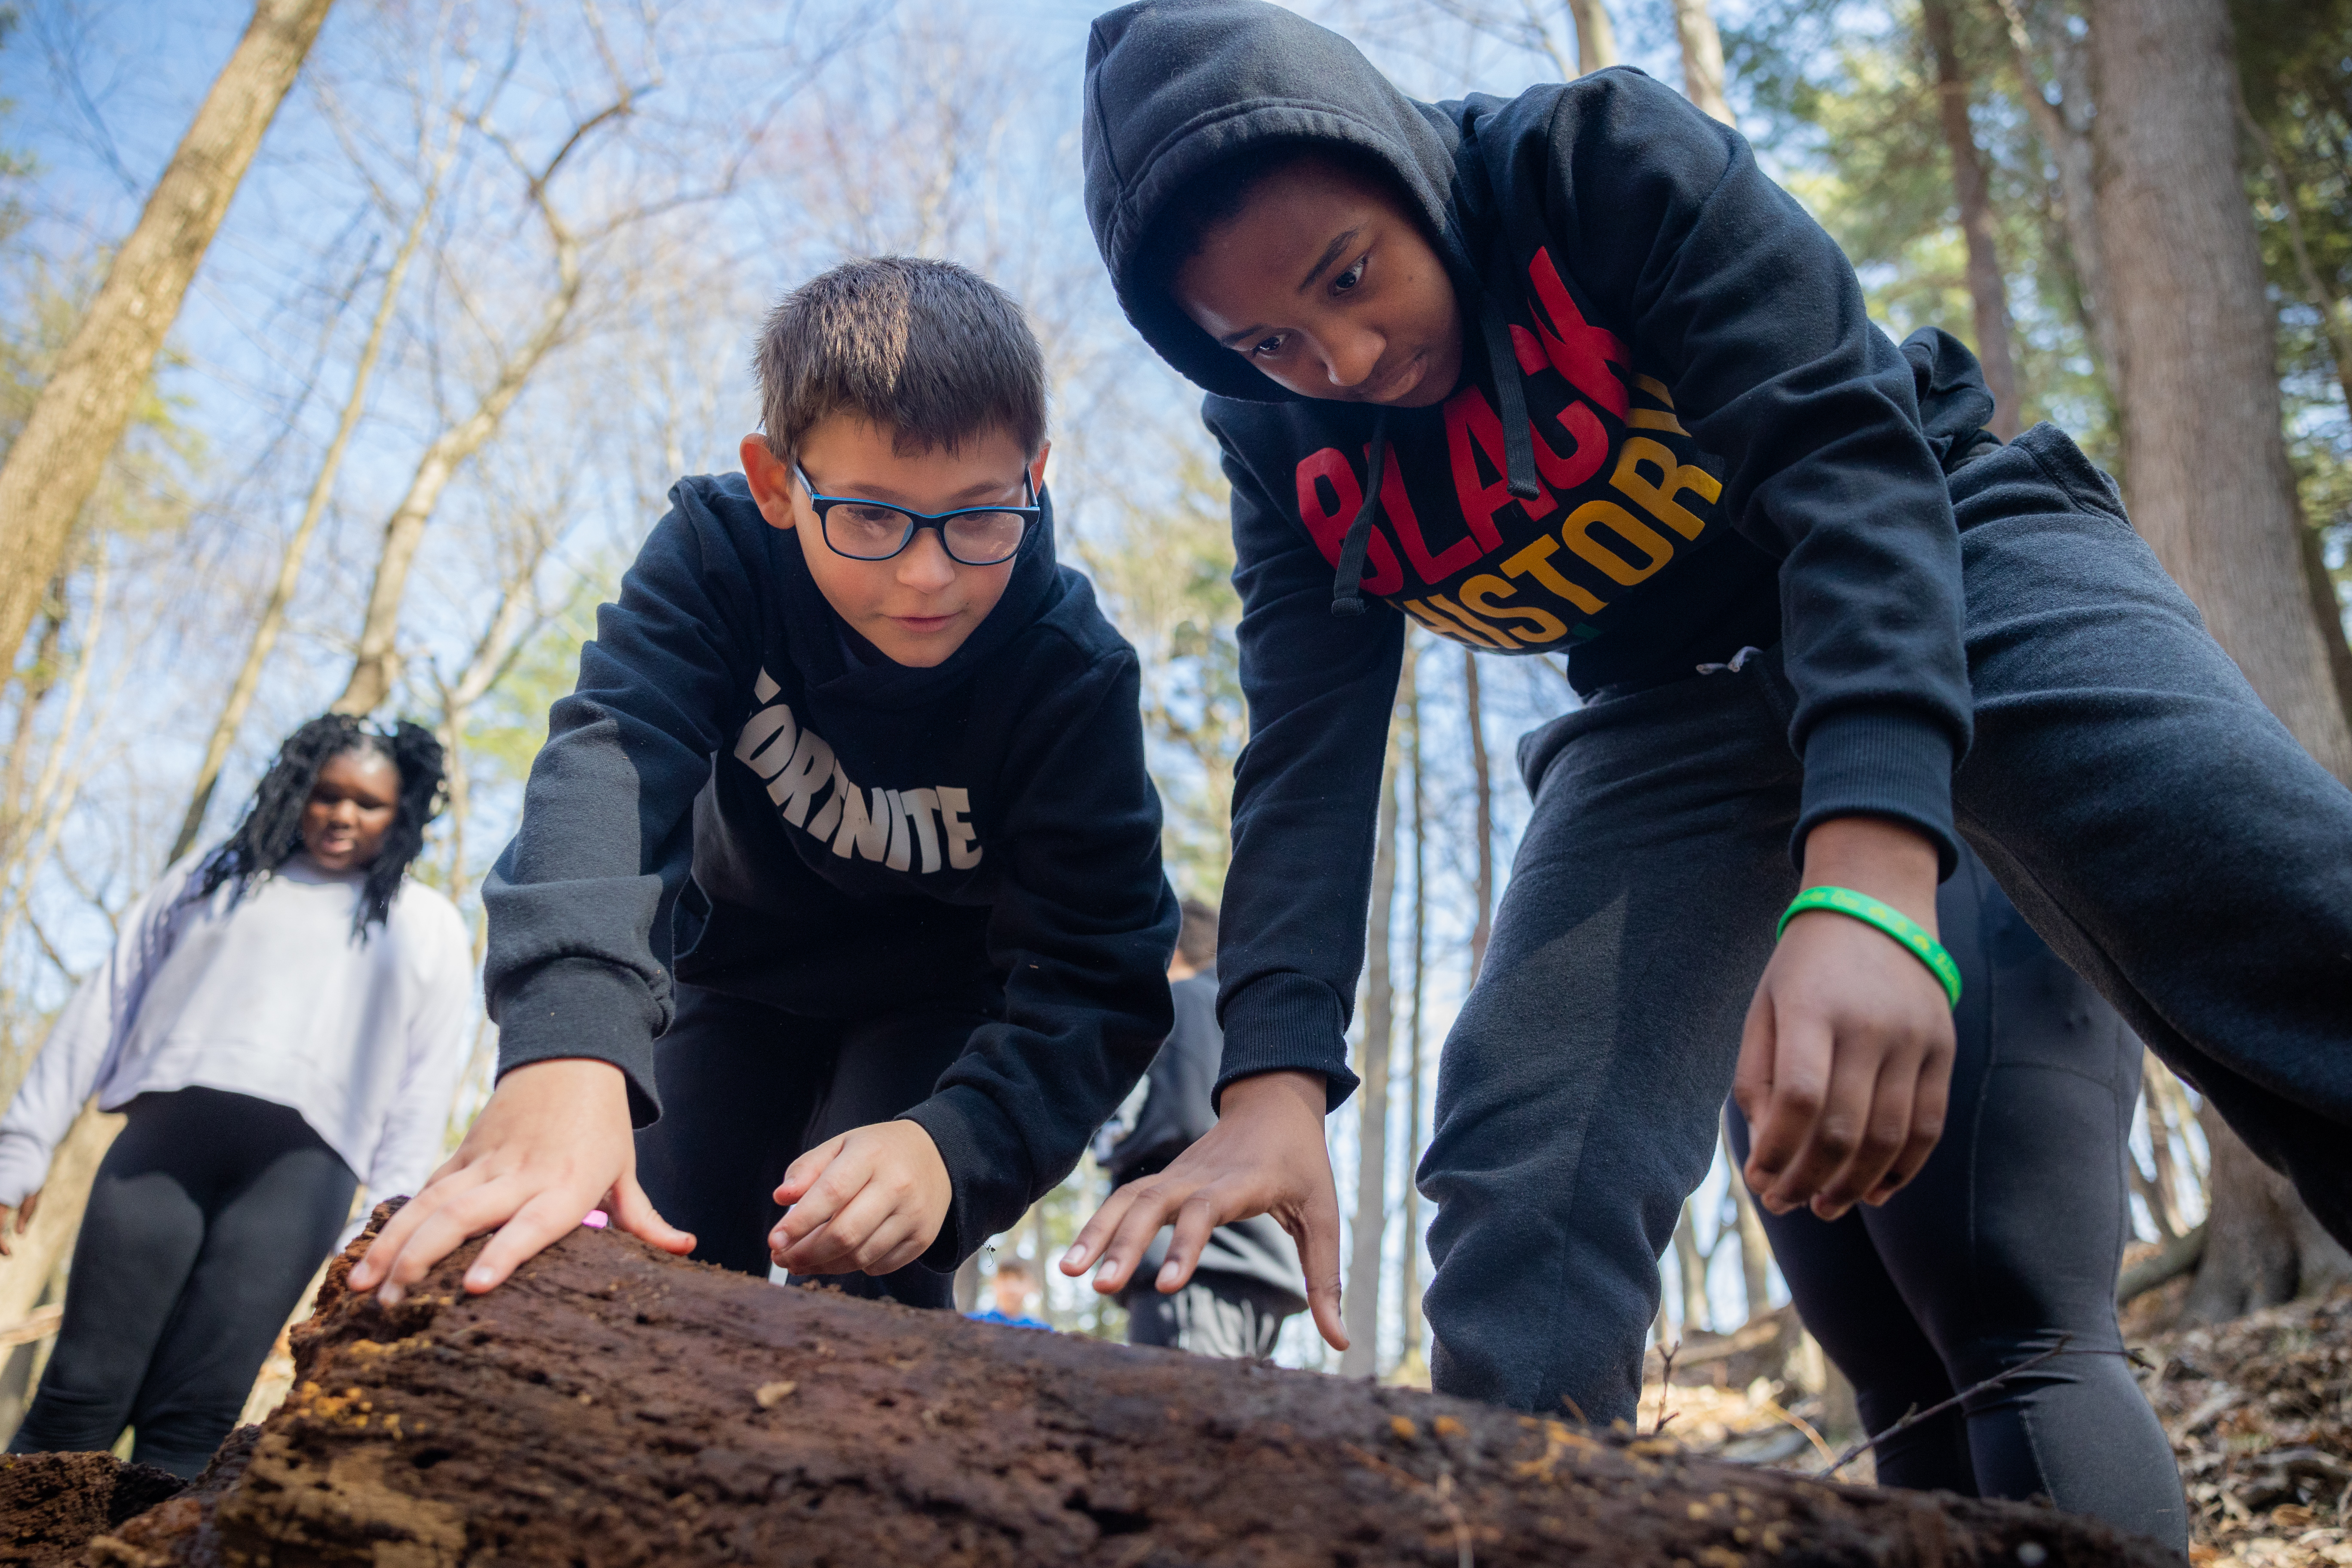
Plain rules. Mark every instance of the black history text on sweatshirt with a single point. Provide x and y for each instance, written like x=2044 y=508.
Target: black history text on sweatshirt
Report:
x=731 y=797
x=1713 y=449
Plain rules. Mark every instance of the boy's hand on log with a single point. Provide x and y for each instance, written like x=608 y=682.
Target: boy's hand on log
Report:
x=24 y=1213
x=1845 y=1065
x=868 y=1202
x=552 y=1143
x=1265 y=1155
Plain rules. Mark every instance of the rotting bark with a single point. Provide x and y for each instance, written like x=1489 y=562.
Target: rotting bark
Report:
x=612 y=1405
x=51 y=1504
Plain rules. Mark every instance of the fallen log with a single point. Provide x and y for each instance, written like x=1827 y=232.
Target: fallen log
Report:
x=613 y=1405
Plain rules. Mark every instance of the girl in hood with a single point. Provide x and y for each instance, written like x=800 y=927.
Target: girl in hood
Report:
x=1566 y=374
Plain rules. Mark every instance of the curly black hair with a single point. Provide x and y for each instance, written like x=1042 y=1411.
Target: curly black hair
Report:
x=272 y=828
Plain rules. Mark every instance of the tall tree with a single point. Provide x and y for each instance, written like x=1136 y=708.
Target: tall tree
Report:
x=2197 y=371
x=1973 y=192
x=1408 y=1291
x=1702 y=47
x=1482 y=787
x=1596 y=38
x=2197 y=356
x=1361 y=1303
x=54 y=463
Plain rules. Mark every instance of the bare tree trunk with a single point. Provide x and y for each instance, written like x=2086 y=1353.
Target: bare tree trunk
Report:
x=1361 y=1304
x=1969 y=185
x=1702 y=58
x=2205 y=459
x=2261 y=1245
x=2063 y=129
x=1755 y=1246
x=2203 y=451
x=290 y=567
x=1596 y=40
x=79 y=419
x=1408 y=1293
x=1483 y=788
x=1693 y=1268
x=65 y=1192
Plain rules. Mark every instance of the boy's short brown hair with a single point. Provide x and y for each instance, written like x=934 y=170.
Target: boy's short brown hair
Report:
x=931 y=348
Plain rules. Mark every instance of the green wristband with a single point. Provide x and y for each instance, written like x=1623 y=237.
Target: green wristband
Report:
x=1887 y=918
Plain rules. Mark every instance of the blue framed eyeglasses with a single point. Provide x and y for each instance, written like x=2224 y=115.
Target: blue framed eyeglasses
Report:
x=875 y=530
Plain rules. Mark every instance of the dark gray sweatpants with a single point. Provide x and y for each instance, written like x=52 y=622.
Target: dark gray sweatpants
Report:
x=2149 y=816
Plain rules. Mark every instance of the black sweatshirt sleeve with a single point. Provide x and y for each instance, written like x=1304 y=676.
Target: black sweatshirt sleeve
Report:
x=1759 y=322
x=1306 y=798
x=1081 y=930
x=579 y=903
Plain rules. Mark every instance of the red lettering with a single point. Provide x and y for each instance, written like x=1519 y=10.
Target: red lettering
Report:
x=1328 y=526
x=1578 y=350
x=1468 y=418
x=1583 y=462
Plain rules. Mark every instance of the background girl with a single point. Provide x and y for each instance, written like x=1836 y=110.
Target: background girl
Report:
x=282 y=1018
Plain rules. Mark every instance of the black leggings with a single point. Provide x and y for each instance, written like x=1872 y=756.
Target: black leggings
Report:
x=746 y=1089
x=2006 y=1240
x=208 y=1216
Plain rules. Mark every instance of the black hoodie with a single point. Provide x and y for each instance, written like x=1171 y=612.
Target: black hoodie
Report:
x=862 y=837
x=1698 y=442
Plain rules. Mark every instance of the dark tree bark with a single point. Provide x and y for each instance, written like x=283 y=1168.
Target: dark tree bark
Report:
x=1973 y=191
x=611 y=1404
x=2196 y=357
x=2196 y=372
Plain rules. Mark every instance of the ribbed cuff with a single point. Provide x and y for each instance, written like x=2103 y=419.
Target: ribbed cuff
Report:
x=1877 y=762
x=24 y=1167
x=1287 y=1023
x=581 y=1007
x=987 y=1161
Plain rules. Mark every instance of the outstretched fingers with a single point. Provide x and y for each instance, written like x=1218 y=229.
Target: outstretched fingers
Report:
x=634 y=1213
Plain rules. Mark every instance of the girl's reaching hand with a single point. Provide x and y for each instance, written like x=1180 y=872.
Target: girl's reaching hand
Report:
x=552 y=1143
x=23 y=1218
x=1845 y=1065
x=1265 y=1155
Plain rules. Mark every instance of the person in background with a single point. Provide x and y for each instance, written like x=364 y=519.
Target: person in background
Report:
x=280 y=1020
x=1249 y=1280
x=1009 y=1287
x=2002 y=1249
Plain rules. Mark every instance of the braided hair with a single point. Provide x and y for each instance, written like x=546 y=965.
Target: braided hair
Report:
x=272 y=829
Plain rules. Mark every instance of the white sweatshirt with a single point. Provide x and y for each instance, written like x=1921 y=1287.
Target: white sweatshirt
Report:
x=275 y=999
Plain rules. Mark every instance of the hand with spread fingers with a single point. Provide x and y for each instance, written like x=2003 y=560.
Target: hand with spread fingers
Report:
x=1845 y=1064
x=552 y=1143
x=870 y=1201
x=1265 y=1155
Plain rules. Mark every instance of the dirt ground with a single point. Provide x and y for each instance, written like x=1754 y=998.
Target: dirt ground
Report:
x=612 y=1406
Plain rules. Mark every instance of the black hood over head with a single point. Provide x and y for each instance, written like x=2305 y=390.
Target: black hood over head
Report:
x=1174 y=87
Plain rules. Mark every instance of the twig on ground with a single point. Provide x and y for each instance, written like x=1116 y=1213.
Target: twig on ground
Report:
x=1912 y=1417
x=1665 y=1381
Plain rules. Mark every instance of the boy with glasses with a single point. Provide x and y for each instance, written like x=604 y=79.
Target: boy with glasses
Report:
x=840 y=868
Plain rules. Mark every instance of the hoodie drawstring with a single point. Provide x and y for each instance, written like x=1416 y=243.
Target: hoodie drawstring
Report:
x=1518 y=457
x=1347 y=586
x=1518 y=436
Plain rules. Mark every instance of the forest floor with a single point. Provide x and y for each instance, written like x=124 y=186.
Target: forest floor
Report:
x=2259 y=1411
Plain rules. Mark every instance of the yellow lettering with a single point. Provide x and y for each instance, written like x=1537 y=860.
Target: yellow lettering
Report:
x=1535 y=560
x=1655 y=388
x=1656 y=419
x=1577 y=531
x=1439 y=623
x=1478 y=593
x=1658 y=498
x=1487 y=635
